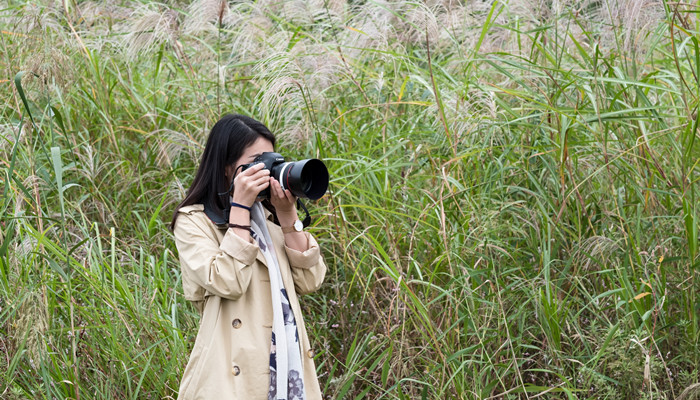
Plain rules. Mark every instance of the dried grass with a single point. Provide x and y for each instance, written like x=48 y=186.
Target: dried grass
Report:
x=150 y=26
x=8 y=136
x=421 y=24
x=208 y=16
x=595 y=248
x=36 y=17
x=634 y=19
x=49 y=69
x=30 y=326
x=432 y=248
x=691 y=392
x=467 y=114
x=370 y=29
x=250 y=27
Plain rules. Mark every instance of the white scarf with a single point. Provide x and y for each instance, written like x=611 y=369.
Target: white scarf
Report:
x=286 y=374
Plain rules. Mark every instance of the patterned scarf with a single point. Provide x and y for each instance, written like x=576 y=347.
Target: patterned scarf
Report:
x=286 y=377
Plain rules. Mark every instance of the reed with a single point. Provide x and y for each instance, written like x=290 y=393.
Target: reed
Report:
x=512 y=210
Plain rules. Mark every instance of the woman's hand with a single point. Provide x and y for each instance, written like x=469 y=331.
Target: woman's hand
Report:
x=284 y=202
x=249 y=183
x=285 y=207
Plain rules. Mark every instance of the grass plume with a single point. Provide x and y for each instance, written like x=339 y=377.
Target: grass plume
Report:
x=512 y=209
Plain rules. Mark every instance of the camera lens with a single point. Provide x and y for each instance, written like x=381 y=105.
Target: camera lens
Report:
x=305 y=178
x=305 y=184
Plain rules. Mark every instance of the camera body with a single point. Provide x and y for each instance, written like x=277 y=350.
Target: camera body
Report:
x=305 y=179
x=270 y=160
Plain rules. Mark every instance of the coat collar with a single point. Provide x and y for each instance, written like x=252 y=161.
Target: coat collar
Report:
x=221 y=221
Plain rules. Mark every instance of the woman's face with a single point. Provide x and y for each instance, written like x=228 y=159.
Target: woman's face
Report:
x=261 y=145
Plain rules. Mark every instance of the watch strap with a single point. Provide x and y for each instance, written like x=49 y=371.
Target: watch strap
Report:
x=293 y=228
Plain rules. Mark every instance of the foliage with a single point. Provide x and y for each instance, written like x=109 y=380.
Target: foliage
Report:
x=512 y=210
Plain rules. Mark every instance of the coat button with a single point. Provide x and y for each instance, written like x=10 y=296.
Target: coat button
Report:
x=310 y=353
x=236 y=323
x=235 y=370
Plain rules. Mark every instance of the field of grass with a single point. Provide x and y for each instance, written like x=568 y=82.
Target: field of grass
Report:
x=513 y=209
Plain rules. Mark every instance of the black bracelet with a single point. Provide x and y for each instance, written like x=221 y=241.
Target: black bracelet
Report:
x=246 y=227
x=233 y=204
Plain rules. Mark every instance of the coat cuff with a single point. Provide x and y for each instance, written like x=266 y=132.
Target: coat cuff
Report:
x=306 y=259
x=236 y=247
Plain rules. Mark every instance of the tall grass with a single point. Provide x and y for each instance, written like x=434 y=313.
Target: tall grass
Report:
x=512 y=210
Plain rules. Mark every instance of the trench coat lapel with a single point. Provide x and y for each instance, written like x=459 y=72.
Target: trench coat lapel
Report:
x=260 y=257
x=277 y=237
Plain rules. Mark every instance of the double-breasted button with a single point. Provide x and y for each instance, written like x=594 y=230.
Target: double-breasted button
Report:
x=236 y=323
x=235 y=370
x=310 y=353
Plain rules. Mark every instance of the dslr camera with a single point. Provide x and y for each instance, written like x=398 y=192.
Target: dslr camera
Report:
x=305 y=179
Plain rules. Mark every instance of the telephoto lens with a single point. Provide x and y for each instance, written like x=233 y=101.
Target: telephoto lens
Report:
x=305 y=179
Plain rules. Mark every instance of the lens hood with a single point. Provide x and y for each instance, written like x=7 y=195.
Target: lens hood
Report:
x=306 y=178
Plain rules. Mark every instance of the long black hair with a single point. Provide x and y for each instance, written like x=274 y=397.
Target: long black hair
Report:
x=228 y=138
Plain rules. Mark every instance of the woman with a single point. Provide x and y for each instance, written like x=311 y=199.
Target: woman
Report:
x=243 y=265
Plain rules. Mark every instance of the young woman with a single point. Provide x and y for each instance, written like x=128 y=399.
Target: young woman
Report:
x=243 y=266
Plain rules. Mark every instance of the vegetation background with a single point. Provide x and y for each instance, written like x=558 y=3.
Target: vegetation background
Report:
x=513 y=211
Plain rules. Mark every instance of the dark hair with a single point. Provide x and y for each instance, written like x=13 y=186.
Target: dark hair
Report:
x=228 y=138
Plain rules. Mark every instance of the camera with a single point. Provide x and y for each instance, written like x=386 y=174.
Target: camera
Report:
x=305 y=179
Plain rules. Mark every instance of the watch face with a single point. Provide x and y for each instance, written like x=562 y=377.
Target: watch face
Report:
x=298 y=226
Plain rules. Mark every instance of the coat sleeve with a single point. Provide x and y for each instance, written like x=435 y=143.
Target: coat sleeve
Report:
x=221 y=269
x=308 y=267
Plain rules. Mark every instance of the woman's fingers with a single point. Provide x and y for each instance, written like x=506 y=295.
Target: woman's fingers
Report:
x=287 y=194
x=276 y=188
x=252 y=170
x=249 y=183
x=260 y=181
x=283 y=200
x=253 y=174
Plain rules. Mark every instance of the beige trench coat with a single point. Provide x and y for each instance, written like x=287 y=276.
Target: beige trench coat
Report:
x=227 y=279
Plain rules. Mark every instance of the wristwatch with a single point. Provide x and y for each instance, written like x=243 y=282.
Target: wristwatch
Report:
x=297 y=227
